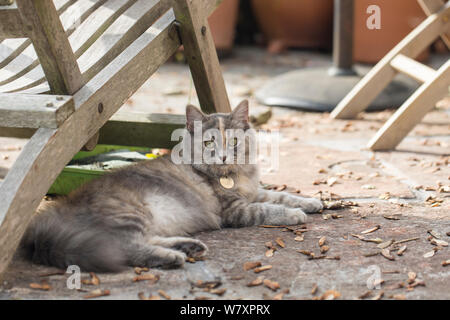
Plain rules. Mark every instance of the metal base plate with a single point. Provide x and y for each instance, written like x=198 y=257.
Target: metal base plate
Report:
x=315 y=89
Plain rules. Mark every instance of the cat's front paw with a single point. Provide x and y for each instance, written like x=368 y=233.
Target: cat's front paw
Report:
x=191 y=247
x=166 y=259
x=295 y=216
x=310 y=205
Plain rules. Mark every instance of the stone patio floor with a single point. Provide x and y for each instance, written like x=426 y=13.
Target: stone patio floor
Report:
x=404 y=193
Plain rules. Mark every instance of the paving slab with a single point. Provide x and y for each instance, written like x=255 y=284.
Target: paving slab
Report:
x=321 y=157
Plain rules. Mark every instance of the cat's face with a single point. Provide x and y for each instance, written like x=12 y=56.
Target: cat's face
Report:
x=225 y=139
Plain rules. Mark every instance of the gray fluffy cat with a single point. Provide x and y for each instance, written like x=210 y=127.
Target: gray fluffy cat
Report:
x=141 y=215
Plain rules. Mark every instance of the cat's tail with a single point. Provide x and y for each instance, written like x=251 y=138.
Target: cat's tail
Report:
x=59 y=241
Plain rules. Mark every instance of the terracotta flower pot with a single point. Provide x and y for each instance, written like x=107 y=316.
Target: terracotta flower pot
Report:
x=295 y=23
x=223 y=24
x=398 y=18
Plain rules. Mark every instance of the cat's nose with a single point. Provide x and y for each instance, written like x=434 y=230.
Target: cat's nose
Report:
x=224 y=158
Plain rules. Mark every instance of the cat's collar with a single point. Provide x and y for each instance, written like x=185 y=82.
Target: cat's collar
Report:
x=227 y=182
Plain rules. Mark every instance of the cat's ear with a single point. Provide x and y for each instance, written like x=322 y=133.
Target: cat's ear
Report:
x=193 y=114
x=240 y=113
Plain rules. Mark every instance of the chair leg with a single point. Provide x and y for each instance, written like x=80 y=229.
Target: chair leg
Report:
x=202 y=56
x=412 y=111
x=379 y=77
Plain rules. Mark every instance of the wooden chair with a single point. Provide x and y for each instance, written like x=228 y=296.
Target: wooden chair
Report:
x=434 y=86
x=66 y=67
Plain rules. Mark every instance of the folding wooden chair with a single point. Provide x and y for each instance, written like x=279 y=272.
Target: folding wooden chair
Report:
x=66 y=66
x=434 y=86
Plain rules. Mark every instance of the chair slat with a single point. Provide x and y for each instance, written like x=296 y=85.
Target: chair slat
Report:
x=127 y=28
x=83 y=36
x=121 y=33
x=28 y=59
x=94 y=26
x=51 y=45
x=11 y=48
x=34 y=111
x=412 y=68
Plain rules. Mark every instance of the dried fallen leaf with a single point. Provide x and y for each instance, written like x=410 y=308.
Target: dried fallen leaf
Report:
x=269 y=253
x=305 y=252
x=272 y=285
x=139 y=270
x=251 y=265
x=446 y=263
x=257 y=282
x=148 y=276
x=280 y=242
x=365 y=295
x=151 y=297
x=314 y=289
x=219 y=292
x=299 y=238
x=263 y=268
x=322 y=241
x=387 y=254
x=399 y=297
x=435 y=234
x=324 y=249
x=376 y=240
x=371 y=229
x=371 y=254
x=163 y=294
x=207 y=284
x=405 y=240
x=392 y=217
x=330 y=295
x=279 y=296
x=378 y=296
x=438 y=242
x=94 y=280
x=429 y=254
x=385 y=245
x=411 y=277
x=97 y=293
x=331 y=181
x=41 y=286
x=269 y=245
x=416 y=283
x=401 y=251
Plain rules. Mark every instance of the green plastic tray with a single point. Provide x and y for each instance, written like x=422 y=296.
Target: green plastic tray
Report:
x=72 y=178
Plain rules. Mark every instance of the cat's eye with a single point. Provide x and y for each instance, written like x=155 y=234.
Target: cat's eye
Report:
x=209 y=144
x=233 y=142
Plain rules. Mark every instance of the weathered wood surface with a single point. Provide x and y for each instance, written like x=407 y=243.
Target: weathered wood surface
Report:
x=201 y=55
x=26 y=60
x=359 y=98
x=412 y=111
x=97 y=31
x=11 y=48
x=34 y=172
x=120 y=34
x=10 y=23
x=144 y=130
x=412 y=68
x=34 y=111
x=51 y=45
x=433 y=6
